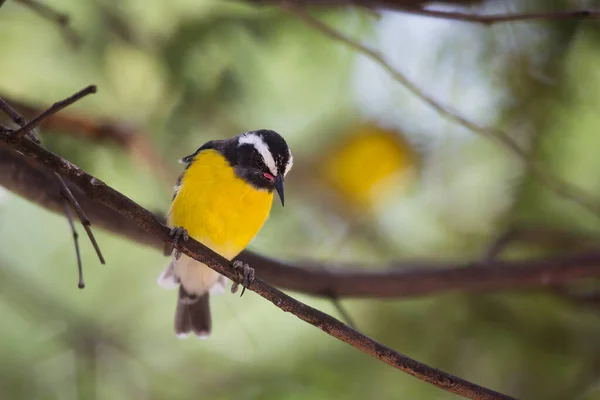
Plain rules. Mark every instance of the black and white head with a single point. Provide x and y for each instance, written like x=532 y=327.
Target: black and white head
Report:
x=262 y=158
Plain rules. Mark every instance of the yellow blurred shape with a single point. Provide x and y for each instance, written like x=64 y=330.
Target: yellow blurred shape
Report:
x=369 y=165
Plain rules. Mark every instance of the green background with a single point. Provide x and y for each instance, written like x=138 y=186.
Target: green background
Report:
x=187 y=71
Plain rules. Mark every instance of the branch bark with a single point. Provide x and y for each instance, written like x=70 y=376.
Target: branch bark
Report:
x=147 y=221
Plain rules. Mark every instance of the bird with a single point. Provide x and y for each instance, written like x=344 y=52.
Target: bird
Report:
x=222 y=199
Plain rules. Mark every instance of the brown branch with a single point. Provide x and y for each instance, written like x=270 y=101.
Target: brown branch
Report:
x=17 y=119
x=413 y=279
x=344 y=314
x=416 y=7
x=85 y=222
x=561 y=188
x=80 y=283
x=99 y=191
x=499 y=244
x=491 y=19
x=372 y=4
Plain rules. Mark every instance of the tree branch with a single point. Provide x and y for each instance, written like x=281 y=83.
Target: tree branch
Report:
x=491 y=19
x=85 y=222
x=398 y=5
x=18 y=119
x=417 y=7
x=80 y=283
x=99 y=191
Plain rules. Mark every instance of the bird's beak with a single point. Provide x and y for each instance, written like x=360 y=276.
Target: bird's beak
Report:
x=279 y=187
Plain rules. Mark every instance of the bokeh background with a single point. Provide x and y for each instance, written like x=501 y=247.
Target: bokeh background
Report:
x=379 y=176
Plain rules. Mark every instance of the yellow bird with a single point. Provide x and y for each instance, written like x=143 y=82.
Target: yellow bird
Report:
x=222 y=199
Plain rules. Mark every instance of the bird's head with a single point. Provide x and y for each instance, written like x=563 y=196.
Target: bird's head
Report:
x=263 y=159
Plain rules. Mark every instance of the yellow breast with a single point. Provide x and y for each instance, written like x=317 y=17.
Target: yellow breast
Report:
x=217 y=208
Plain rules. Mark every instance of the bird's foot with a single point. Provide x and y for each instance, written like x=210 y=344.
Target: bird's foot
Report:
x=178 y=232
x=248 y=276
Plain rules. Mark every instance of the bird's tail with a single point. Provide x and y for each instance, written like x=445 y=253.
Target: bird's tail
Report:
x=192 y=315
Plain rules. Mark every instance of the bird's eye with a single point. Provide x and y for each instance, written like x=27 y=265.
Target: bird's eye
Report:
x=258 y=161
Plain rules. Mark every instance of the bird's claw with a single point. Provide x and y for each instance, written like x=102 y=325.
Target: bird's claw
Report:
x=248 y=276
x=178 y=232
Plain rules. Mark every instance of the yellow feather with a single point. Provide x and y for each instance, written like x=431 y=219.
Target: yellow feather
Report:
x=217 y=208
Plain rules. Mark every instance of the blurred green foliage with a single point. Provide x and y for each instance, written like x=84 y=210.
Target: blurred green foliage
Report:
x=187 y=71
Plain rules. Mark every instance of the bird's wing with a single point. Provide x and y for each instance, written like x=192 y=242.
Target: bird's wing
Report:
x=187 y=160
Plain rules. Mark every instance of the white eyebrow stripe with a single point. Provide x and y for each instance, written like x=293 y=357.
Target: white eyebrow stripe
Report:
x=262 y=148
x=289 y=164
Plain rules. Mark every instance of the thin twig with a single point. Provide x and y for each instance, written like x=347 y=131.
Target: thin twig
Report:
x=491 y=19
x=81 y=283
x=344 y=314
x=561 y=188
x=418 y=9
x=12 y=113
x=499 y=244
x=62 y=20
x=56 y=107
x=99 y=191
x=17 y=119
x=85 y=222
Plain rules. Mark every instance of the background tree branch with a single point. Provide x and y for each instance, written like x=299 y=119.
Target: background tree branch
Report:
x=418 y=7
x=373 y=4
